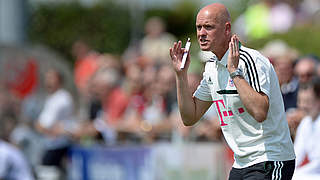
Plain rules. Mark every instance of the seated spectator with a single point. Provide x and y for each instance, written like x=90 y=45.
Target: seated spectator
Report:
x=307 y=147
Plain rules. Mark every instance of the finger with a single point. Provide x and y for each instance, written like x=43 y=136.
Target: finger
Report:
x=237 y=44
x=171 y=53
x=179 y=47
x=230 y=48
x=231 y=45
x=175 y=47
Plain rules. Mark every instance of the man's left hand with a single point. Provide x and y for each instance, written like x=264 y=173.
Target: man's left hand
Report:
x=234 y=54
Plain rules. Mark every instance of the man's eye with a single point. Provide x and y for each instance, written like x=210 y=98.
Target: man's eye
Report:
x=208 y=27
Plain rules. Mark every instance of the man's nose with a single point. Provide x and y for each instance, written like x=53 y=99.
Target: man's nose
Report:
x=202 y=32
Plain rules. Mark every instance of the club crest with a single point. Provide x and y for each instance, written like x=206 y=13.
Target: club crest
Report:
x=231 y=84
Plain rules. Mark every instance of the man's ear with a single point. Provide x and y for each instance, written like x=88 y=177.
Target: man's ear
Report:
x=228 y=28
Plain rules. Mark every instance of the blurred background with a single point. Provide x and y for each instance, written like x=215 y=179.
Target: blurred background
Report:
x=87 y=91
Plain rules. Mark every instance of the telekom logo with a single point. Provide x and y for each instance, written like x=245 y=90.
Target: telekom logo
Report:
x=225 y=113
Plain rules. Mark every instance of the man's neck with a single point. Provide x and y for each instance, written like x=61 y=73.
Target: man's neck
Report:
x=220 y=55
x=222 y=52
x=54 y=90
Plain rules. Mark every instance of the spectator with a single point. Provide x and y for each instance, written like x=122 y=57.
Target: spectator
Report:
x=156 y=41
x=56 y=120
x=103 y=82
x=131 y=103
x=102 y=115
x=306 y=143
x=116 y=105
x=284 y=67
x=305 y=69
x=277 y=48
x=13 y=164
x=85 y=65
x=158 y=105
x=24 y=134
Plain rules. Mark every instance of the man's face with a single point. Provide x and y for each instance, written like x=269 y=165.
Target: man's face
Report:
x=305 y=71
x=51 y=81
x=284 y=70
x=210 y=33
x=306 y=100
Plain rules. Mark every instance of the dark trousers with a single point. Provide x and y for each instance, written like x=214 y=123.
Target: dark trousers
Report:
x=269 y=170
x=55 y=157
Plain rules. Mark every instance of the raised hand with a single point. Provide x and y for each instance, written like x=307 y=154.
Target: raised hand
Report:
x=176 y=54
x=234 y=54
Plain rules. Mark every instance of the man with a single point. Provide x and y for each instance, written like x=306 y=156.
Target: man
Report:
x=243 y=86
x=308 y=149
x=305 y=69
x=13 y=163
x=284 y=67
x=56 y=120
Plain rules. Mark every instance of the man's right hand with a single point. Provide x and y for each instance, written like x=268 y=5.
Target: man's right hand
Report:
x=191 y=108
x=176 y=53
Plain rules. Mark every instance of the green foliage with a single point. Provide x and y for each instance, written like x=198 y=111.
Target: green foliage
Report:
x=180 y=20
x=104 y=26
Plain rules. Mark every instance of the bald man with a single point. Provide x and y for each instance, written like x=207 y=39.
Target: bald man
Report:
x=305 y=69
x=244 y=88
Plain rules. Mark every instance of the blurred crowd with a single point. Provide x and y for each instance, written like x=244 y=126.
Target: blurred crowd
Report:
x=264 y=18
x=131 y=100
x=119 y=100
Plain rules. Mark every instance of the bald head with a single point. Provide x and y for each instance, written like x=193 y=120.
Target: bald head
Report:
x=305 y=69
x=214 y=29
x=217 y=11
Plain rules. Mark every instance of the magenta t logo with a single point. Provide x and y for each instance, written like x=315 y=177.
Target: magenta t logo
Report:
x=225 y=113
x=220 y=113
